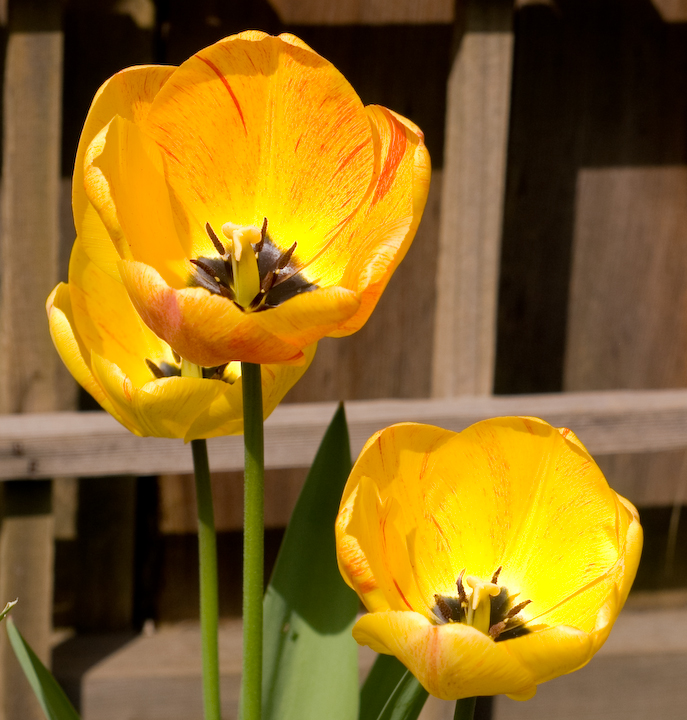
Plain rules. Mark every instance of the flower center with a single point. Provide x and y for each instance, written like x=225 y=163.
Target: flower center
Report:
x=228 y=373
x=483 y=605
x=250 y=271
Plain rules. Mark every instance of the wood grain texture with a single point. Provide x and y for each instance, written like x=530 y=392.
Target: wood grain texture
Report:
x=158 y=676
x=93 y=444
x=30 y=372
x=363 y=12
x=478 y=108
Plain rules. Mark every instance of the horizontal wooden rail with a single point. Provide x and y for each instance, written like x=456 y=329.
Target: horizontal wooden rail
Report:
x=92 y=444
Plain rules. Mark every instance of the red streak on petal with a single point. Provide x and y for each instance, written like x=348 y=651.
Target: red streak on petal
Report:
x=218 y=72
x=351 y=155
x=400 y=592
x=395 y=153
x=565 y=432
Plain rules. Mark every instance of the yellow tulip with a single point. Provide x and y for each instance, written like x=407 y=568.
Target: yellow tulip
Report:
x=255 y=204
x=134 y=375
x=490 y=560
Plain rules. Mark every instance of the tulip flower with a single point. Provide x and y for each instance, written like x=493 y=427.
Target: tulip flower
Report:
x=134 y=375
x=255 y=204
x=490 y=560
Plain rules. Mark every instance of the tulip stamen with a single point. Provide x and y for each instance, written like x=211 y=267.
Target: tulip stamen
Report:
x=154 y=369
x=262 y=265
x=496 y=618
x=215 y=240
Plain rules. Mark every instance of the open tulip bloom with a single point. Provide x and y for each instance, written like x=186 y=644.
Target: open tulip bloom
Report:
x=254 y=203
x=490 y=560
x=230 y=212
x=135 y=375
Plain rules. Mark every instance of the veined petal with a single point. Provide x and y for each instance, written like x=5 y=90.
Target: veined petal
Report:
x=124 y=181
x=301 y=150
x=71 y=349
x=376 y=237
x=307 y=317
x=161 y=408
x=552 y=651
x=128 y=94
x=451 y=661
x=205 y=329
x=107 y=322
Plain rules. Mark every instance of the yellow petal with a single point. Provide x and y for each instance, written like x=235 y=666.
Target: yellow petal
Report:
x=309 y=316
x=70 y=347
x=128 y=94
x=393 y=472
x=377 y=236
x=125 y=182
x=107 y=322
x=161 y=408
x=205 y=329
x=301 y=150
x=451 y=661
x=224 y=416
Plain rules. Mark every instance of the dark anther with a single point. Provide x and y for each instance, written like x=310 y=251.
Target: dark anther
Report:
x=263 y=235
x=177 y=357
x=284 y=259
x=225 y=291
x=206 y=269
x=219 y=371
x=154 y=369
x=444 y=609
x=514 y=611
x=461 y=590
x=496 y=629
x=215 y=240
x=267 y=282
x=495 y=576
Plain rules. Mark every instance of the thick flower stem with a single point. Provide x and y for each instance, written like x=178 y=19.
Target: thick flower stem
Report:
x=465 y=709
x=209 y=605
x=253 y=542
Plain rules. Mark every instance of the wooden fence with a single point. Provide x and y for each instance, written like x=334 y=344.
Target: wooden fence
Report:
x=549 y=267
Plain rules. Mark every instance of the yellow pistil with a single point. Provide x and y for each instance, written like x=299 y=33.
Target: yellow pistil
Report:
x=232 y=372
x=479 y=607
x=244 y=261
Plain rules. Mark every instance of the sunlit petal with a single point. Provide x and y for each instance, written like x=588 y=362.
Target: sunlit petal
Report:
x=203 y=328
x=451 y=661
x=521 y=508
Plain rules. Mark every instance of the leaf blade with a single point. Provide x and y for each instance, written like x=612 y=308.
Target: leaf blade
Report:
x=50 y=695
x=310 y=665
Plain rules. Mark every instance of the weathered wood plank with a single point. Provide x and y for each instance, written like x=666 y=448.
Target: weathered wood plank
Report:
x=363 y=12
x=158 y=677
x=30 y=373
x=93 y=444
x=478 y=109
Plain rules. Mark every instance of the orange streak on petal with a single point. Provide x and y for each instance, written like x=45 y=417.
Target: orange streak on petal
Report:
x=218 y=72
x=397 y=149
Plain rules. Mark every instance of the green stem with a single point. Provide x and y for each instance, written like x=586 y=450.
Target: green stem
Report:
x=465 y=709
x=253 y=542
x=209 y=605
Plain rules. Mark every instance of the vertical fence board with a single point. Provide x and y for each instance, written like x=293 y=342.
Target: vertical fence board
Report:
x=32 y=97
x=472 y=202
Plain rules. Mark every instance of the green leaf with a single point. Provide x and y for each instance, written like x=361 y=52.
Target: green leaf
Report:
x=391 y=692
x=7 y=608
x=51 y=697
x=310 y=661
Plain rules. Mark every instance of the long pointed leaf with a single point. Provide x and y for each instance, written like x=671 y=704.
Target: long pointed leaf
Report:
x=391 y=692
x=51 y=697
x=310 y=658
